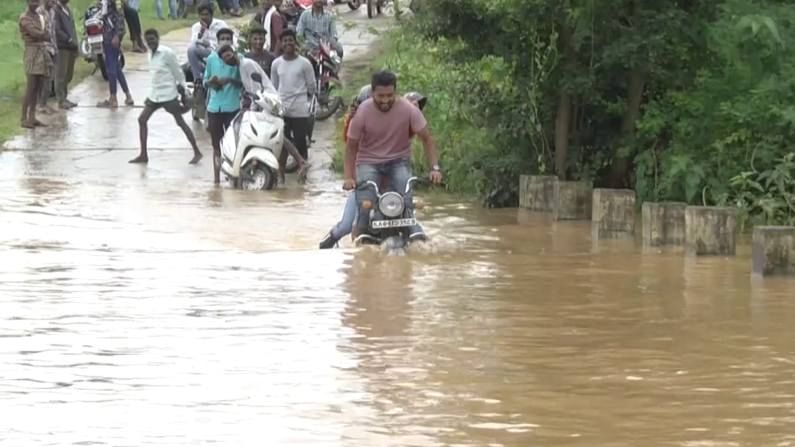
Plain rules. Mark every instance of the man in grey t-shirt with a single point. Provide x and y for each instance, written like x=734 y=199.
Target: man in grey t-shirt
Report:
x=294 y=79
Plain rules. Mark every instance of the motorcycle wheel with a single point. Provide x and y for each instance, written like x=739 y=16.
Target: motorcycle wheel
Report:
x=370 y=9
x=326 y=111
x=354 y=4
x=260 y=178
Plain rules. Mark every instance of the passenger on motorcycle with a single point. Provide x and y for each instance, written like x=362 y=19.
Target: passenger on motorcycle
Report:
x=345 y=225
x=317 y=24
x=203 y=39
x=379 y=144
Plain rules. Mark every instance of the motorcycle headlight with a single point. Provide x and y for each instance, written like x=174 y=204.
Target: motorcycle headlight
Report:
x=391 y=205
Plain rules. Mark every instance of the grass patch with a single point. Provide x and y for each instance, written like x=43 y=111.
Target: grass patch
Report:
x=12 y=77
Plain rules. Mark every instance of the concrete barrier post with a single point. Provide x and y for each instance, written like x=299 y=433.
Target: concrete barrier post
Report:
x=536 y=192
x=773 y=251
x=613 y=213
x=572 y=200
x=663 y=224
x=710 y=231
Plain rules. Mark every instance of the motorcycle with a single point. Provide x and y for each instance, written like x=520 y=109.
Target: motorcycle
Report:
x=390 y=219
x=93 y=38
x=252 y=144
x=327 y=65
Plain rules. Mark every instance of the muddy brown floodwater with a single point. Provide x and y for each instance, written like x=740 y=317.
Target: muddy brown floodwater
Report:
x=143 y=307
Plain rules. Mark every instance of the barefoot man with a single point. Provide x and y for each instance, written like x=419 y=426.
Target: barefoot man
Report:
x=166 y=77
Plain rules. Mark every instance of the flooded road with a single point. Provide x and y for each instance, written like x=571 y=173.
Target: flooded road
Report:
x=141 y=306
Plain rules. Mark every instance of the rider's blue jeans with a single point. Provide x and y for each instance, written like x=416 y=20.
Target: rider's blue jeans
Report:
x=345 y=225
x=398 y=172
x=197 y=55
x=172 y=8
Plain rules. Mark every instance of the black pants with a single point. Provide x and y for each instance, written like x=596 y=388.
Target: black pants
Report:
x=134 y=23
x=297 y=130
x=218 y=122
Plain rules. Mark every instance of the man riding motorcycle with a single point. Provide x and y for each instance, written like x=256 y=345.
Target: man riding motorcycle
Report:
x=379 y=144
x=317 y=24
x=345 y=225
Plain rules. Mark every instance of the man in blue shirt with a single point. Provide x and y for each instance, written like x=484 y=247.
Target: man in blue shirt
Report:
x=224 y=86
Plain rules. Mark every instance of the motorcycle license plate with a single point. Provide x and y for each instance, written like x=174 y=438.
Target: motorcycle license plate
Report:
x=396 y=223
x=95 y=39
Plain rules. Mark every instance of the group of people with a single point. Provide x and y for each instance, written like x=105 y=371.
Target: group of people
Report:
x=378 y=133
x=224 y=75
x=50 y=43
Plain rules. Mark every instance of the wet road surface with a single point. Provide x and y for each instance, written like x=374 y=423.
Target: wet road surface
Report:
x=141 y=306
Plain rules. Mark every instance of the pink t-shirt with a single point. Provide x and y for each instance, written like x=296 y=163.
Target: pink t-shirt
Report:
x=386 y=136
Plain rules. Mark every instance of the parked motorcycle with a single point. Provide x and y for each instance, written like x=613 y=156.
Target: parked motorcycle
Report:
x=390 y=219
x=93 y=38
x=252 y=144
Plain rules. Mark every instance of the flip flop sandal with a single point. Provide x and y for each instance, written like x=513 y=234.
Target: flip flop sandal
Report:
x=129 y=102
x=106 y=105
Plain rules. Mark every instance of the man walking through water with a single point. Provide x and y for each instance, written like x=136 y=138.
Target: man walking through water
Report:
x=294 y=78
x=167 y=80
x=379 y=145
x=225 y=86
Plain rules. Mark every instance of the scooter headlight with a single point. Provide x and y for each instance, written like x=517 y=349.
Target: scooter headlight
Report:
x=391 y=205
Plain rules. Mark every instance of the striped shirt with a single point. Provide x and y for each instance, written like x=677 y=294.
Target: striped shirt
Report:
x=322 y=24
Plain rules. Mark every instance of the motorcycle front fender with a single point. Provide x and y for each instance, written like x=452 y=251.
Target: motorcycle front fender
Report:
x=262 y=155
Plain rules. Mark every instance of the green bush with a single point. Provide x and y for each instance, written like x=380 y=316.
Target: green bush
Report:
x=690 y=101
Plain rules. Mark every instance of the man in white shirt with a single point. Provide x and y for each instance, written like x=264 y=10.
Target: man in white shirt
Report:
x=167 y=80
x=203 y=40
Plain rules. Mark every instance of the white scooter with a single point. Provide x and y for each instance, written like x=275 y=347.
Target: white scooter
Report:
x=252 y=144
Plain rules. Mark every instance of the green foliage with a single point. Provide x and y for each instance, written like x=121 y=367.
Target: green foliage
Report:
x=678 y=99
x=766 y=196
x=738 y=111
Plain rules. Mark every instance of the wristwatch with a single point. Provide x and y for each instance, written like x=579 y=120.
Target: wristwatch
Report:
x=436 y=168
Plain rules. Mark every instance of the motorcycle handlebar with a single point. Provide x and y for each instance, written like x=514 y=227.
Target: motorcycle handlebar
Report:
x=409 y=185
